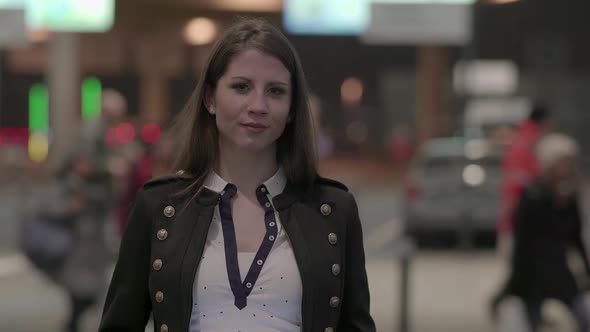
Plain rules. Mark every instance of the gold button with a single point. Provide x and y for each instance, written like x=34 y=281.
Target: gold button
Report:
x=334 y=301
x=336 y=269
x=157 y=265
x=332 y=238
x=163 y=328
x=169 y=211
x=328 y=329
x=160 y=297
x=162 y=234
x=326 y=209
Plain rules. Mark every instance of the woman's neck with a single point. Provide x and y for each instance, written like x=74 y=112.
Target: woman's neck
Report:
x=245 y=169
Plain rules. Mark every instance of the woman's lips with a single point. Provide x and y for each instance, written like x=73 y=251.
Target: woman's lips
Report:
x=255 y=127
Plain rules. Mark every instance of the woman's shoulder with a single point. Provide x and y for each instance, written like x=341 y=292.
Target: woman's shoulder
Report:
x=167 y=183
x=325 y=182
x=332 y=190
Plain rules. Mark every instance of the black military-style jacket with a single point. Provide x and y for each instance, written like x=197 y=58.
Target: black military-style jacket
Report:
x=164 y=240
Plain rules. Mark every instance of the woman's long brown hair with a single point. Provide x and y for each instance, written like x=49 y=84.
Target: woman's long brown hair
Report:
x=196 y=131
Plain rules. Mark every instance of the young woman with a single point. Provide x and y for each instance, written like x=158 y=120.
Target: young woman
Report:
x=247 y=237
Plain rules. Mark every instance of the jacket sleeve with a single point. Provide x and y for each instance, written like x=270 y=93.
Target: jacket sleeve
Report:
x=355 y=315
x=128 y=306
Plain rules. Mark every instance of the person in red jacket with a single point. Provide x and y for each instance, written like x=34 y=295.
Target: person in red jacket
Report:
x=155 y=161
x=519 y=168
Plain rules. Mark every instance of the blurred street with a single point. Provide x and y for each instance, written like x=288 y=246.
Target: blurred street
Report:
x=438 y=298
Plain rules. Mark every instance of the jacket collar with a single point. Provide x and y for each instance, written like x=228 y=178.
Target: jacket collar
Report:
x=275 y=185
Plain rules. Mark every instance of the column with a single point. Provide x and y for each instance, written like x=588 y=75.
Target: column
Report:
x=432 y=92
x=63 y=78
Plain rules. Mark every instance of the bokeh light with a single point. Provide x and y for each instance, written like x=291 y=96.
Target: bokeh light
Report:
x=351 y=91
x=124 y=133
x=200 y=31
x=38 y=147
x=150 y=133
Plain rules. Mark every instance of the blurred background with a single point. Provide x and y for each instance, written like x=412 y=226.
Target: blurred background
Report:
x=415 y=102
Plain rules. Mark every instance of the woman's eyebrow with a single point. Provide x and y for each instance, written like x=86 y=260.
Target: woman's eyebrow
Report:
x=271 y=82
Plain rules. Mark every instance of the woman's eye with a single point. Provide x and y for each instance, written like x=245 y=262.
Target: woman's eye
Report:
x=277 y=91
x=240 y=87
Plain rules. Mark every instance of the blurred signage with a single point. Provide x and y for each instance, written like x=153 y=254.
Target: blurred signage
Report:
x=480 y=112
x=347 y=17
x=66 y=15
x=326 y=17
x=435 y=23
x=12 y=27
x=485 y=77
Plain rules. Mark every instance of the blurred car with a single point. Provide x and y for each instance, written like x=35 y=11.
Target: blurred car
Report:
x=452 y=190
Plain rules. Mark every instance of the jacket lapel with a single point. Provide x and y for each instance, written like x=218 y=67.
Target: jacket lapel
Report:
x=201 y=211
x=287 y=204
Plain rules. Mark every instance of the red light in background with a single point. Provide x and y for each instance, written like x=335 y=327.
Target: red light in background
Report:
x=14 y=136
x=150 y=133
x=125 y=132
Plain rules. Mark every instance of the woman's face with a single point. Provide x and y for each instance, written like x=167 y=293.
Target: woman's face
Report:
x=251 y=102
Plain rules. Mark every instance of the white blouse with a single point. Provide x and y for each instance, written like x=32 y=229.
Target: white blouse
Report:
x=274 y=303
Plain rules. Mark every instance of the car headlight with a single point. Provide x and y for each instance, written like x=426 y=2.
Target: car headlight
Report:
x=474 y=175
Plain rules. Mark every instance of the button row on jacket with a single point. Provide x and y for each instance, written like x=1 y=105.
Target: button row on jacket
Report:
x=159 y=297
x=326 y=209
x=334 y=301
x=332 y=238
x=336 y=269
x=162 y=234
x=157 y=265
x=169 y=211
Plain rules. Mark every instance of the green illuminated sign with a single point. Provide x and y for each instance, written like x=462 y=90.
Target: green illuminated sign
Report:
x=91 y=92
x=38 y=108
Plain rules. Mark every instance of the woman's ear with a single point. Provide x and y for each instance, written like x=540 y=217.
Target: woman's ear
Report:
x=208 y=100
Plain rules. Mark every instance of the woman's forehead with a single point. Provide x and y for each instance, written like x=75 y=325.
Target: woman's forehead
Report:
x=255 y=64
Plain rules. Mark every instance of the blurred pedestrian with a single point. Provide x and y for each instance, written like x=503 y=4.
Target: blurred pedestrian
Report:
x=249 y=237
x=156 y=160
x=76 y=204
x=547 y=221
x=519 y=168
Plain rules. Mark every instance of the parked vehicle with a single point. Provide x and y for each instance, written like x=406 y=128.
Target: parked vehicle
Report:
x=452 y=191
